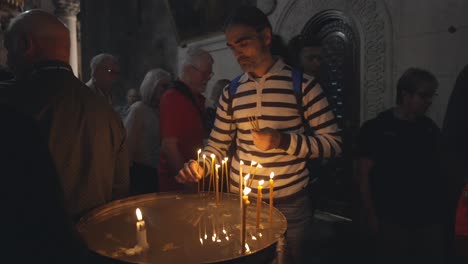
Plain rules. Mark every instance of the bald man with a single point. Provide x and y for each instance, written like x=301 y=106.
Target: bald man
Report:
x=105 y=70
x=85 y=136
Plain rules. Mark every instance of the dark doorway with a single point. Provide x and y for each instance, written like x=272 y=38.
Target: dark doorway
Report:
x=339 y=75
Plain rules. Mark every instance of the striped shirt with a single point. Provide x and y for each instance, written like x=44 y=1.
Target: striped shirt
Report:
x=271 y=98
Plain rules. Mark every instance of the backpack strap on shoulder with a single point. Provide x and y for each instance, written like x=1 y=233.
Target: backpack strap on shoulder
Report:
x=232 y=91
x=297 y=83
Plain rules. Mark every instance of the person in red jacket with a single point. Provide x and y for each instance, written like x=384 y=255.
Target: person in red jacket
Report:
x=183 y=122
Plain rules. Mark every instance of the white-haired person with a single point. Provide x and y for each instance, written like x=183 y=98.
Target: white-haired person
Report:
x=105 y=71
x=143 y=133
x=183 y=126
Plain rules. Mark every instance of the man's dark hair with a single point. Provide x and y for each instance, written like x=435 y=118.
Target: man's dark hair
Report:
x=411 y=81
x=248 y=16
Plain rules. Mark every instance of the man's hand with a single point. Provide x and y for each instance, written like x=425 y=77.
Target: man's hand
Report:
x=266 y=138
x=191 y=172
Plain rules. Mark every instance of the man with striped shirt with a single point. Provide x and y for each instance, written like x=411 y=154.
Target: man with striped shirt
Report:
x=265 y=91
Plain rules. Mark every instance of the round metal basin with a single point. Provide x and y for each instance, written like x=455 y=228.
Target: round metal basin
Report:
x=182 y=228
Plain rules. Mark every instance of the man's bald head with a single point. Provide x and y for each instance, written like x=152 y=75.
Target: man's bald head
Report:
x=35 y=36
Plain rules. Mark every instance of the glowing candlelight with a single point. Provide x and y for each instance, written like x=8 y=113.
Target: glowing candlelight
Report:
x=198 y=166
x=247 y=248
x=272 y=174
x=259 y=202
x=222 y=178
x=244 y=216
x=212 y=168
x=252 y=163
x=246 y=178
x=217 y=183
x=241 y=163
x=199 y=232
x=259 y=166
x=228 y=186
x=204 y=171
x=141 y=230
x=198 y=157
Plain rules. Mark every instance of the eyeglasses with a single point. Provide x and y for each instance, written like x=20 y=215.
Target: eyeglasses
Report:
x=204 y=73
x=113 y=72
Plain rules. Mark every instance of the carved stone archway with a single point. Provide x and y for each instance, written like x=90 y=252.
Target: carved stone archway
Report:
x=372 y=22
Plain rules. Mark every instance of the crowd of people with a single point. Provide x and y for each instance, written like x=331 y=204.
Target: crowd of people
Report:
x=69 y=149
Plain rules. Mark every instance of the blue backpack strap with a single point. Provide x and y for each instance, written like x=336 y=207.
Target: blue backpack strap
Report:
x=232 y=91
x=233 y=86
x=297 y=84
x=297 y=87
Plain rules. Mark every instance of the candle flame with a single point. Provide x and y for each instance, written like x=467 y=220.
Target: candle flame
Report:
x=212 y=156
x=247 y=248
x=138 y=214
x=199 y=151
x=259 y=166
x=217 y=166
x=213 y=238
x=247 y=190
x=272 y=174
x=201 y=241
x=206 y=236
x=241 y=162
x=260 y=234
x=253 y=237
x=253 y=162
x=225 y=159
x=204 y=156
x=224 y=231
x=227 y=238
x=247 y=176
x=219 y=240
x=260 y=183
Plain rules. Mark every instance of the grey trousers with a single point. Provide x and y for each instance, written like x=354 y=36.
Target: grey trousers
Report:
x=293 y=247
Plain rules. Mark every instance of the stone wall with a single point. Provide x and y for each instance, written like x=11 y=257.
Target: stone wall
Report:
x=423 y=37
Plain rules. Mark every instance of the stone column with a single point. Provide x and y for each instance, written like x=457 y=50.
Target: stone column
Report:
x=67 y=10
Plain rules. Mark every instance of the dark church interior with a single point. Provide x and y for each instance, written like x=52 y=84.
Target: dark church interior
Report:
x=247 y=131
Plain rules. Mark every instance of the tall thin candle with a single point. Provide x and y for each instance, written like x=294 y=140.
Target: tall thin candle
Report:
x=245 y=198
x=241 y=179
x=198 y=167
x=272 y=174
x=222 y=177
x=259 y=202
x=204 y=171
x=212 y=172
x=217 y=183
x=141 y=230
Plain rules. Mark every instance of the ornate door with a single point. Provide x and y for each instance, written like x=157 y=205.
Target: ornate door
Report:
x=339 y=74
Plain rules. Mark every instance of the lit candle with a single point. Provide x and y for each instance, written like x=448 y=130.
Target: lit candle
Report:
x=272 y=174
x=245 y=198
x=222 y=178
x=241 y=163
x=255 y=172
x=199 y=232
x=251 y=164
x=198 y=166
x=259 y=202
x=198 y=157
x=141 y=230
x=228 y=186
x=212 y=172
x=204 y=171
x=217 y=183
x=246 y=178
